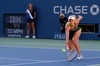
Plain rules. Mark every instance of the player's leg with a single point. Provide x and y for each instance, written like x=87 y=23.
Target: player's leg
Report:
x=75 y=40
x=28 y=30
x=33 y=28
x=70 y=42
x=71 y=45
x=72 y=53
x=76 y=44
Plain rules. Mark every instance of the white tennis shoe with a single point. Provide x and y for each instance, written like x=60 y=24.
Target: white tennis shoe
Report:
x=27 y=36
x=33 y=37
x=79 y=56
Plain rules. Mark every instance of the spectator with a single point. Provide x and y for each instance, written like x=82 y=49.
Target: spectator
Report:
x=31 y=16
x=63 y=21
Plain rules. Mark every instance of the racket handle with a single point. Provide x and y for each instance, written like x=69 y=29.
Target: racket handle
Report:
x=67 y=48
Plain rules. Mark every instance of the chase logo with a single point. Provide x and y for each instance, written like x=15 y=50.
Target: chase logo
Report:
x=94 y=10
x=78 y=9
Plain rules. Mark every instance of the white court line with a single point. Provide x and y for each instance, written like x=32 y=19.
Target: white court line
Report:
x=94 y=65
x=41 y=62
x=29 y=47
x=21 y=59
x=34 y=63
x=90 y=58
x=43 y=48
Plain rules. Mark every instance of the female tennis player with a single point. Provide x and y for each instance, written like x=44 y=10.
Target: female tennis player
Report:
x=73 y=33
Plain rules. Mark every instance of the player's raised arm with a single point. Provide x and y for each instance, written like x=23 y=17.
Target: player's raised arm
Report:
x=78 y=19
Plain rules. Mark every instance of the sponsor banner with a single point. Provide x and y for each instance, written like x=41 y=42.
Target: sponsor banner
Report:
x=14 y=25
x=59 y=36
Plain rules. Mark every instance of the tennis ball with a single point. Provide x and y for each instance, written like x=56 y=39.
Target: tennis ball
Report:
x=63 y=50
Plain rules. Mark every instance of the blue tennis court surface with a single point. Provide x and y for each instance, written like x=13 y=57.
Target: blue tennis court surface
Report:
x=28 y=56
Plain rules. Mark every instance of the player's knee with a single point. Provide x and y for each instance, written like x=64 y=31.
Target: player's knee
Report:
x=74 y=39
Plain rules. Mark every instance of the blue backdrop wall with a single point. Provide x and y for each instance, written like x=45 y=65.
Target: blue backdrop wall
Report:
x=47 y=23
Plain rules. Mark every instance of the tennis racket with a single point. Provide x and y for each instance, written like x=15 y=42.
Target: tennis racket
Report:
x=71 y=55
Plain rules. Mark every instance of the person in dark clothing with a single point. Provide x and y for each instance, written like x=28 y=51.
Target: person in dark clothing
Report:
x=31 y=16
x=63 y=20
